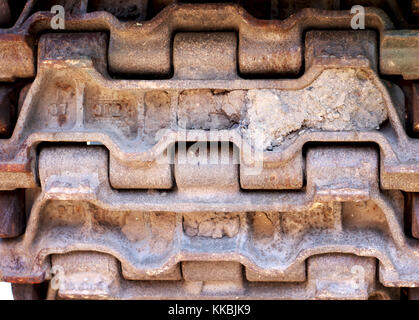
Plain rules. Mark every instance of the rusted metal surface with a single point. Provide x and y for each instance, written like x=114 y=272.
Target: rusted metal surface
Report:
x=133 y=10
x=145 y=48
x=211 y=271
x=6 y=111
x=160 y=242
x=84 y=105
x=12 y=216
x=413 y=207
x=352 y=274
x=399 y=53
x=16 y=57
x=217 y=54
x=85 y=274
x=196 y=182
x=415 y=107
x=5 y=18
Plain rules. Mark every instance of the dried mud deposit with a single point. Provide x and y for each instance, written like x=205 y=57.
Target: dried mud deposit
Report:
x=338 y=100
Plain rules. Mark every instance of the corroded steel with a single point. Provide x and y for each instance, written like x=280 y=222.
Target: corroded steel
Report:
x=145 y=48
x=76 y=101
x=415 y=107
x=214 y=176
x=12 y=217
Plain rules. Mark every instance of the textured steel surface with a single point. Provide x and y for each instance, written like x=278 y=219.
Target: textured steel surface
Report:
x=12 y=218
x=77 y=102
x=347 y=280
x=399 y=53
x=255 y=158
x=415 y=107
x=6 y=111
x=5 y=17
x=414 y=213
x=145 y=48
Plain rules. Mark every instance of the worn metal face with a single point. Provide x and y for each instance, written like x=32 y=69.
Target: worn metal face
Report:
x=214 y=174
x=272 y=238
x=73 y=100
x=144 y=49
